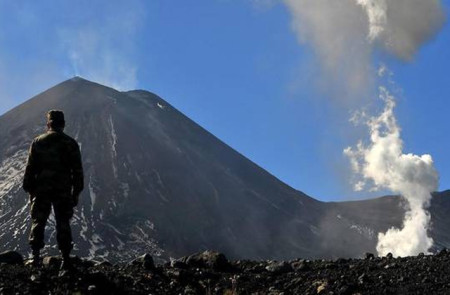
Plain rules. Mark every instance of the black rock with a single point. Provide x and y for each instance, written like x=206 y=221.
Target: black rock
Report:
x=11 y=257
x=90 y=263
x=369 y=256
x=208 y=259
x=178 y=264
x=52 y=261
x=146 y=261
x=279 y=267
x=99 y=283
x=362 y=278
x=341 y=261
x=300 y=265
x=104 y=263
x=345 y=289
x=443 y=252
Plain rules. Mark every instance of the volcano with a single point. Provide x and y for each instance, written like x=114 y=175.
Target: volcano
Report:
x=158 y=183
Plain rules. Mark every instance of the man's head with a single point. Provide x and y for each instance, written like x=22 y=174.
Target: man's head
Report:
x=55 y=120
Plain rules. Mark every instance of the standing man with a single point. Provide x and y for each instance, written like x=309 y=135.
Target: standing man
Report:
x=53 y=178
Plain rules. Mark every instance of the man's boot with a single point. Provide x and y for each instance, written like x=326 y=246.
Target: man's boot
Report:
x=66 y=262
x=36 y=258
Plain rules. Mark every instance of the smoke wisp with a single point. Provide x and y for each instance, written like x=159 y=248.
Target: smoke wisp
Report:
x=383 y=164
x=47 y=42
x=344 y=35
x=103 y=48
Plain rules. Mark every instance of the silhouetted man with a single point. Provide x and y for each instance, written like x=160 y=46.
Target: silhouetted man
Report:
x=53 y=178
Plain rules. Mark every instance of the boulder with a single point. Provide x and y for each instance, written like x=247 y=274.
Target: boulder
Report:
x=11 y=257
x=301 y=265
x=178 y=264
x=52 y=261
x=279 y=267
x=369 y=256
x=146 y=261
x=104 y=263
x=99 y=283
x=208 y=259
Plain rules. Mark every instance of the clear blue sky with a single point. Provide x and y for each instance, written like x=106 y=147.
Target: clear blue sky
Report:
x=233 y=66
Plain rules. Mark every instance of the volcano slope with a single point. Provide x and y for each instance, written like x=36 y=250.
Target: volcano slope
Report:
x=158 y=183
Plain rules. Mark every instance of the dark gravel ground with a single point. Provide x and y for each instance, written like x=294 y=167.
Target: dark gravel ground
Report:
x=211 y=273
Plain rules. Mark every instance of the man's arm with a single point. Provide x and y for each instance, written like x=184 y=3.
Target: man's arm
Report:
x=29 y=179
x=77 y=174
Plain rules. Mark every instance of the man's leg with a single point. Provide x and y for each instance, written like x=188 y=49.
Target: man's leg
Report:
x=40 y=210
x=63 y=213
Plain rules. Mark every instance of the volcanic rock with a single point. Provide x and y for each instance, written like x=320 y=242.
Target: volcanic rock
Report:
x=52 y=261
x=11 y=257
x=146 y=261
x=208 y=259
x=279 y=267
x=301 y=265
x=369 y=256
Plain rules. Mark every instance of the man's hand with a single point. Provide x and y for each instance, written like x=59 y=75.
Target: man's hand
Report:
x=75 y=199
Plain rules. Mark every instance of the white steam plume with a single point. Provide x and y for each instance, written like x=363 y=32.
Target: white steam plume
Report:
x=344 y=35
x=414 y=177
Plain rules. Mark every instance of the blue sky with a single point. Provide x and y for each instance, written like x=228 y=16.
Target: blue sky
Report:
x=234 y=67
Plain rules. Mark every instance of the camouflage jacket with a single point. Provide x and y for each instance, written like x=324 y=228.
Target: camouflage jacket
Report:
x=54 y=165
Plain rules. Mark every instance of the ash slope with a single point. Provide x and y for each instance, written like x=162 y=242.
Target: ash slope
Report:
x=156 y=182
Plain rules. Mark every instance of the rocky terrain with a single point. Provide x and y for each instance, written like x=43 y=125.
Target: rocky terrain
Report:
x=212 y=273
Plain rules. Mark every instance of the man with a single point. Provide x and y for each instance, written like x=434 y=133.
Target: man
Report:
x=53 y=178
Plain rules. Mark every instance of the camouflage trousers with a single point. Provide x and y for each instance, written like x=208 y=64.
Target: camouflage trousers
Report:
x=40 y=211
